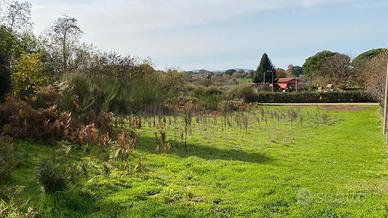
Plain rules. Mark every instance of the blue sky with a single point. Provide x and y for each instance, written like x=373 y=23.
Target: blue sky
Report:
x=223 y=34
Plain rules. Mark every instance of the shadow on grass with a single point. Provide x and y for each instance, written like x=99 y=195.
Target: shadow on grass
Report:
x=206 y=152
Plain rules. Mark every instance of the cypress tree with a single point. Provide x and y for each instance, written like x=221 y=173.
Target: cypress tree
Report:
x=5 y=80
x=263 y=69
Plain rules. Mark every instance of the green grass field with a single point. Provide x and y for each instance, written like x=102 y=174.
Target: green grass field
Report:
x=326 y=162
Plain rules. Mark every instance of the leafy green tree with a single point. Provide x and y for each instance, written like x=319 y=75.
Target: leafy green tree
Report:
x=172 y=83
x=294 y=71
x=12 y=45
x=361 y=60
x=280 y=73
x=230 y=72
x=8 y=48
x=314 y=63
x=329 y=67
x=337 y=70
x=28 y=75
x=264 y=70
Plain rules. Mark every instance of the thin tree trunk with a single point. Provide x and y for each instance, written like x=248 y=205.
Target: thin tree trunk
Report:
x=385 y=102
x=64 y=53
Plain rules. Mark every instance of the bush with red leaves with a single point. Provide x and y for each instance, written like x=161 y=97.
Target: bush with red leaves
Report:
x=19 y=120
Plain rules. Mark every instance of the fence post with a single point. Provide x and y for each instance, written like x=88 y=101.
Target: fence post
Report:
x=385 y=102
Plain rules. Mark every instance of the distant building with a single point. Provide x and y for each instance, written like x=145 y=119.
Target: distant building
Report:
x=287 y=83
x=330 y=87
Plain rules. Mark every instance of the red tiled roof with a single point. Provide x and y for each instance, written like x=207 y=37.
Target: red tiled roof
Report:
x=285 y=80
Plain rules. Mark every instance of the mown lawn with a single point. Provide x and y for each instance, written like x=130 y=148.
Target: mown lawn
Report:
x=328 y=162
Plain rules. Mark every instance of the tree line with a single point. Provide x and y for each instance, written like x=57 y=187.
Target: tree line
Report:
x=366 y=71
x=59 y=63
x=90 y=79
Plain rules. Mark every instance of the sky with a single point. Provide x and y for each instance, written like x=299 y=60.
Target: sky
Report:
x=223 y=34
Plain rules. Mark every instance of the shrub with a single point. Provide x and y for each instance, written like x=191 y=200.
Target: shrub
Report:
x=243 y=91
x=73 y=173
x=11 y=205
x=28 y=75
x=172 y=83
x=233 y=105
x=44 y=97
x=20 y=120
x=103 y=122
x=9 y=210
x=49 y=178
x=7 y=161
x=208 y=97
x=119 y=88
x=125 y=144
x=78 y=95
x=8 y=43
x=311 y=97
x=161 y=139
x=188 y=104
x=88 y=134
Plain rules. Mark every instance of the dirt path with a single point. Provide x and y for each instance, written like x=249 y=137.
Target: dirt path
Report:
x=320 y=104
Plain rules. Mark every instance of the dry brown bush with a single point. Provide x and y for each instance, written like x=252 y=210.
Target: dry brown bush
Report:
x=374 y=76
x=19 y=120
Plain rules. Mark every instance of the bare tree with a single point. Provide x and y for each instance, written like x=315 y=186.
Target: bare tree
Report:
x=16 y=15
x=4 y=4
x=374 y=76
x=61 y=40
x=19 y=16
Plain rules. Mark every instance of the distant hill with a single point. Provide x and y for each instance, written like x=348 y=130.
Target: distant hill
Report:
x=219 y=71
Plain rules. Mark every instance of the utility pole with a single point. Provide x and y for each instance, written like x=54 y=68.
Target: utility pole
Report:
x=385 y=102
x=272 y=81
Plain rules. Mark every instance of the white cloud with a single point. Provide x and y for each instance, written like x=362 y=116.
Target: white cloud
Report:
x=159 y=28
x=155 y=14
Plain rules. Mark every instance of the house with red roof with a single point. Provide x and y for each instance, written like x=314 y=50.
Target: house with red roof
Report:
x=287 y=83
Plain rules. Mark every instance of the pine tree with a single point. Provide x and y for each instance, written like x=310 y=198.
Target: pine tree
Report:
x=264 y=69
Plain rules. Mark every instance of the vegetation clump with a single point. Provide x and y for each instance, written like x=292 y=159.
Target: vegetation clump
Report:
x=49 y=178
x=7 y=157
x=19 y=120
x=128 y=138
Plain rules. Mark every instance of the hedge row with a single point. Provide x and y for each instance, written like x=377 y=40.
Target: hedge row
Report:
x=310 y=97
